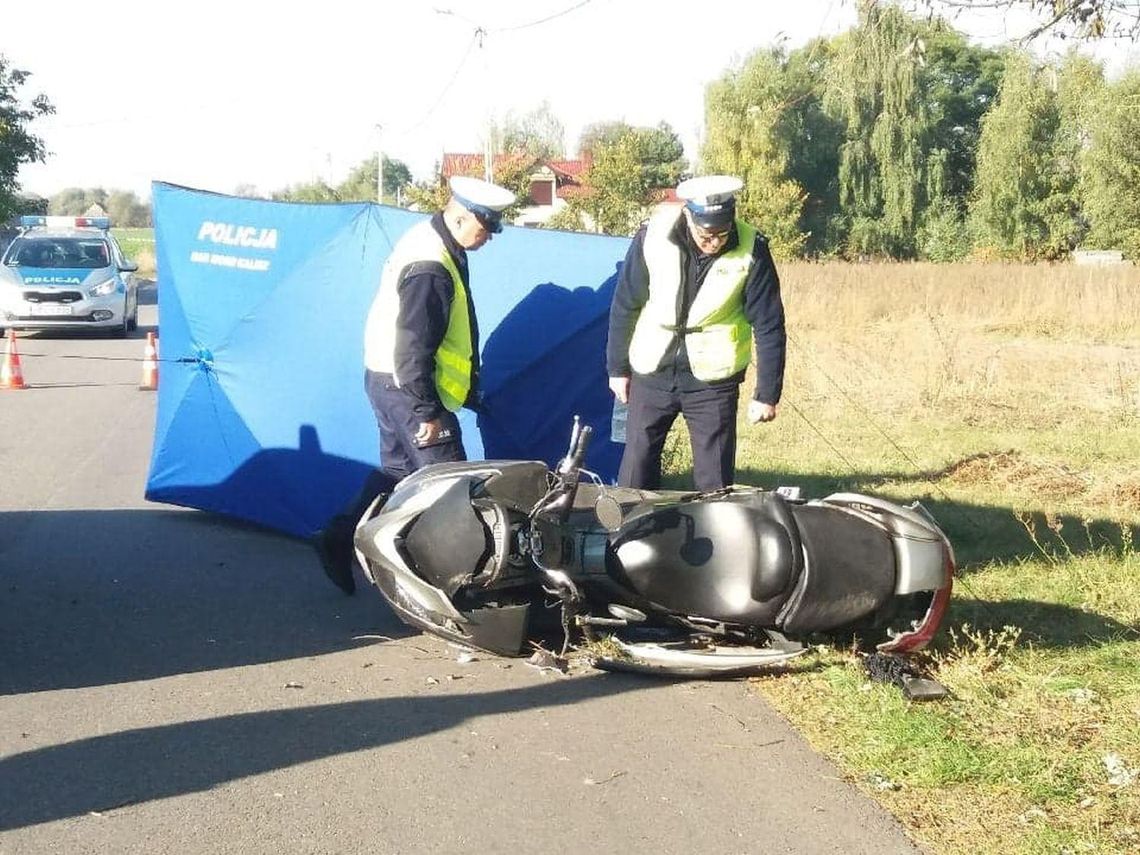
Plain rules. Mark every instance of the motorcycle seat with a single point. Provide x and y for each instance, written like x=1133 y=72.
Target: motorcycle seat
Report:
x=734 y=558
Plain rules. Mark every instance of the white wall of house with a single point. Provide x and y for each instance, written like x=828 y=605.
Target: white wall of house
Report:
x=535 y=215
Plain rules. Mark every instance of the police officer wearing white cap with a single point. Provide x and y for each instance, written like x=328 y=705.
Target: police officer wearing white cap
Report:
x=697 y=288
x=421 y=352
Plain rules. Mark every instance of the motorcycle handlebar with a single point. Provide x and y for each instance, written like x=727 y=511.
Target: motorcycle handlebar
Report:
x=575 y=432
x=582 y=444
x=576 y=451
x=561 y=496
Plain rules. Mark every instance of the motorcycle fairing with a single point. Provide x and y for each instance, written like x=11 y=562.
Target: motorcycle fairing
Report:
x=846 y=572
x=382 y=547
x=732 y=560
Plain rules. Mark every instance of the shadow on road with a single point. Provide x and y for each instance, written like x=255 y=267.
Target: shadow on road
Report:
x=91 y=598
x=119 y=769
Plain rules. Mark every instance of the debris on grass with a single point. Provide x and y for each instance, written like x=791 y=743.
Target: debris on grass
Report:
x=882 y=783
x=1120 y=774
x=1081 y=695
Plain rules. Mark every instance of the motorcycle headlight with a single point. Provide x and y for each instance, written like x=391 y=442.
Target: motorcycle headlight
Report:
x=103 y=288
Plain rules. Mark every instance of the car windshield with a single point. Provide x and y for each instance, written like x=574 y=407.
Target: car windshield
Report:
x=69 y=252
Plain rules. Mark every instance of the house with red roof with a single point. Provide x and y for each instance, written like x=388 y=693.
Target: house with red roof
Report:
x=551 y=183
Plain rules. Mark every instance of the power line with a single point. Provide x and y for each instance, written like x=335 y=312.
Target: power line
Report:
x=476 y=38
x=543 y=20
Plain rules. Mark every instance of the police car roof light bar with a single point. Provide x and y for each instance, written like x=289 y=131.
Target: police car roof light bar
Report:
x=31 y=221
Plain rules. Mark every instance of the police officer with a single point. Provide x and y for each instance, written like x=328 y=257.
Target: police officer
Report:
x=698 y=286
x=421 y=352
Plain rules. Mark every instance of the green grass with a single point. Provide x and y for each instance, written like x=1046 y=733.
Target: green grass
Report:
x=138 y=245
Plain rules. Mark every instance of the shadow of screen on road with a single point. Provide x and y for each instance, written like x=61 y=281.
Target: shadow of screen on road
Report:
x=93 y=598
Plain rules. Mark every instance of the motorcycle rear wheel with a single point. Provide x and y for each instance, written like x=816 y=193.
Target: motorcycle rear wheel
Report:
x=697 y=657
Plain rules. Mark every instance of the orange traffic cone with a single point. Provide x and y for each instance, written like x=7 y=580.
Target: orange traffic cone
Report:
x=150 y=365
x=11 y=375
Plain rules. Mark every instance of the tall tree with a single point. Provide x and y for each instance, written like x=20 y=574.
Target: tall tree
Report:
x=659 y=150
x=18 y=145
x=360 y=185
x=1077 y=84
x=314 y=191
x=960 y=82
x=885 y=160
x=616 y=196
x=1016 y=169
x=749 y=132
x=814 y=137
x=601 y=133
x=628 y=169
x=127 y=210
x=538 y=133
x=1083 y=19
x=1110 y=175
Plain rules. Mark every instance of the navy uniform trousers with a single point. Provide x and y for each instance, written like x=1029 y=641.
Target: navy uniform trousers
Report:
x=399 y=454
x=398 y=423
x=710 y=415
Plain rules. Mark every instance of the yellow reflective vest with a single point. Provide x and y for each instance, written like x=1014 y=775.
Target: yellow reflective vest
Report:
x=717 y=335
x=453 y=357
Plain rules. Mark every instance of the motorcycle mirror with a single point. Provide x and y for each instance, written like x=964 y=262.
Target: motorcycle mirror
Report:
x=608 y=511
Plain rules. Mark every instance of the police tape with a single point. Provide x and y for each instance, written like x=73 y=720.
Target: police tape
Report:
x=89 y=358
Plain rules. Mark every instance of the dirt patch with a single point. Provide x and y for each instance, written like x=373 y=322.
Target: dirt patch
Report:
x=1123 y=494
x=1012 y=469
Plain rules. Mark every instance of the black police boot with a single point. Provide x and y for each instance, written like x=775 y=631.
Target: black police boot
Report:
x=336 y=554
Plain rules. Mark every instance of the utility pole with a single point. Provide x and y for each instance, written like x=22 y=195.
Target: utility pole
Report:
x=379 y=165
x=488 y=148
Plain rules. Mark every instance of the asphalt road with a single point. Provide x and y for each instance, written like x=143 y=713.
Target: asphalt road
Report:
x=172 y=681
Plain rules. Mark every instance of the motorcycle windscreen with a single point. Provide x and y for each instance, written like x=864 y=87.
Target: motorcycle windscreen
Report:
x=724 y=560
x=448 y=544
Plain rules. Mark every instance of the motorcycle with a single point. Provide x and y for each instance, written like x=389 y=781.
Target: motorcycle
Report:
x=496 y=554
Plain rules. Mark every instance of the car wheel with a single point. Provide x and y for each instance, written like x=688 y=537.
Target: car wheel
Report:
x=133 y=321
x=124 y=326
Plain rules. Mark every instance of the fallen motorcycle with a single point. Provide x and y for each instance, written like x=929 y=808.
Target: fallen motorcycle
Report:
x=496 y=554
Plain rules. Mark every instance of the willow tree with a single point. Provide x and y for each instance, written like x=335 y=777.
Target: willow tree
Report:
x=1077 y=85
x=1016 y=165
x=1110 y=175
x=885 y=161
x=749 y=115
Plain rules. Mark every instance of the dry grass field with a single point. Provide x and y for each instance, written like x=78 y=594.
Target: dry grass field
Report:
x=1007 y=399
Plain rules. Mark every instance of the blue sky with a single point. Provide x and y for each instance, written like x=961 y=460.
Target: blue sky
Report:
x=216 y=95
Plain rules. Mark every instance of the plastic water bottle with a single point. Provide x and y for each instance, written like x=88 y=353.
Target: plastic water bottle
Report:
x=617 y=424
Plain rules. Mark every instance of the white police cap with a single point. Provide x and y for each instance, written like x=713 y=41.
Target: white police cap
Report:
x=483 y=199
x=711 y=199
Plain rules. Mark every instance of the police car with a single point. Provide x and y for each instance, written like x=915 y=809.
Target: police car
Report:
x=67 y=273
